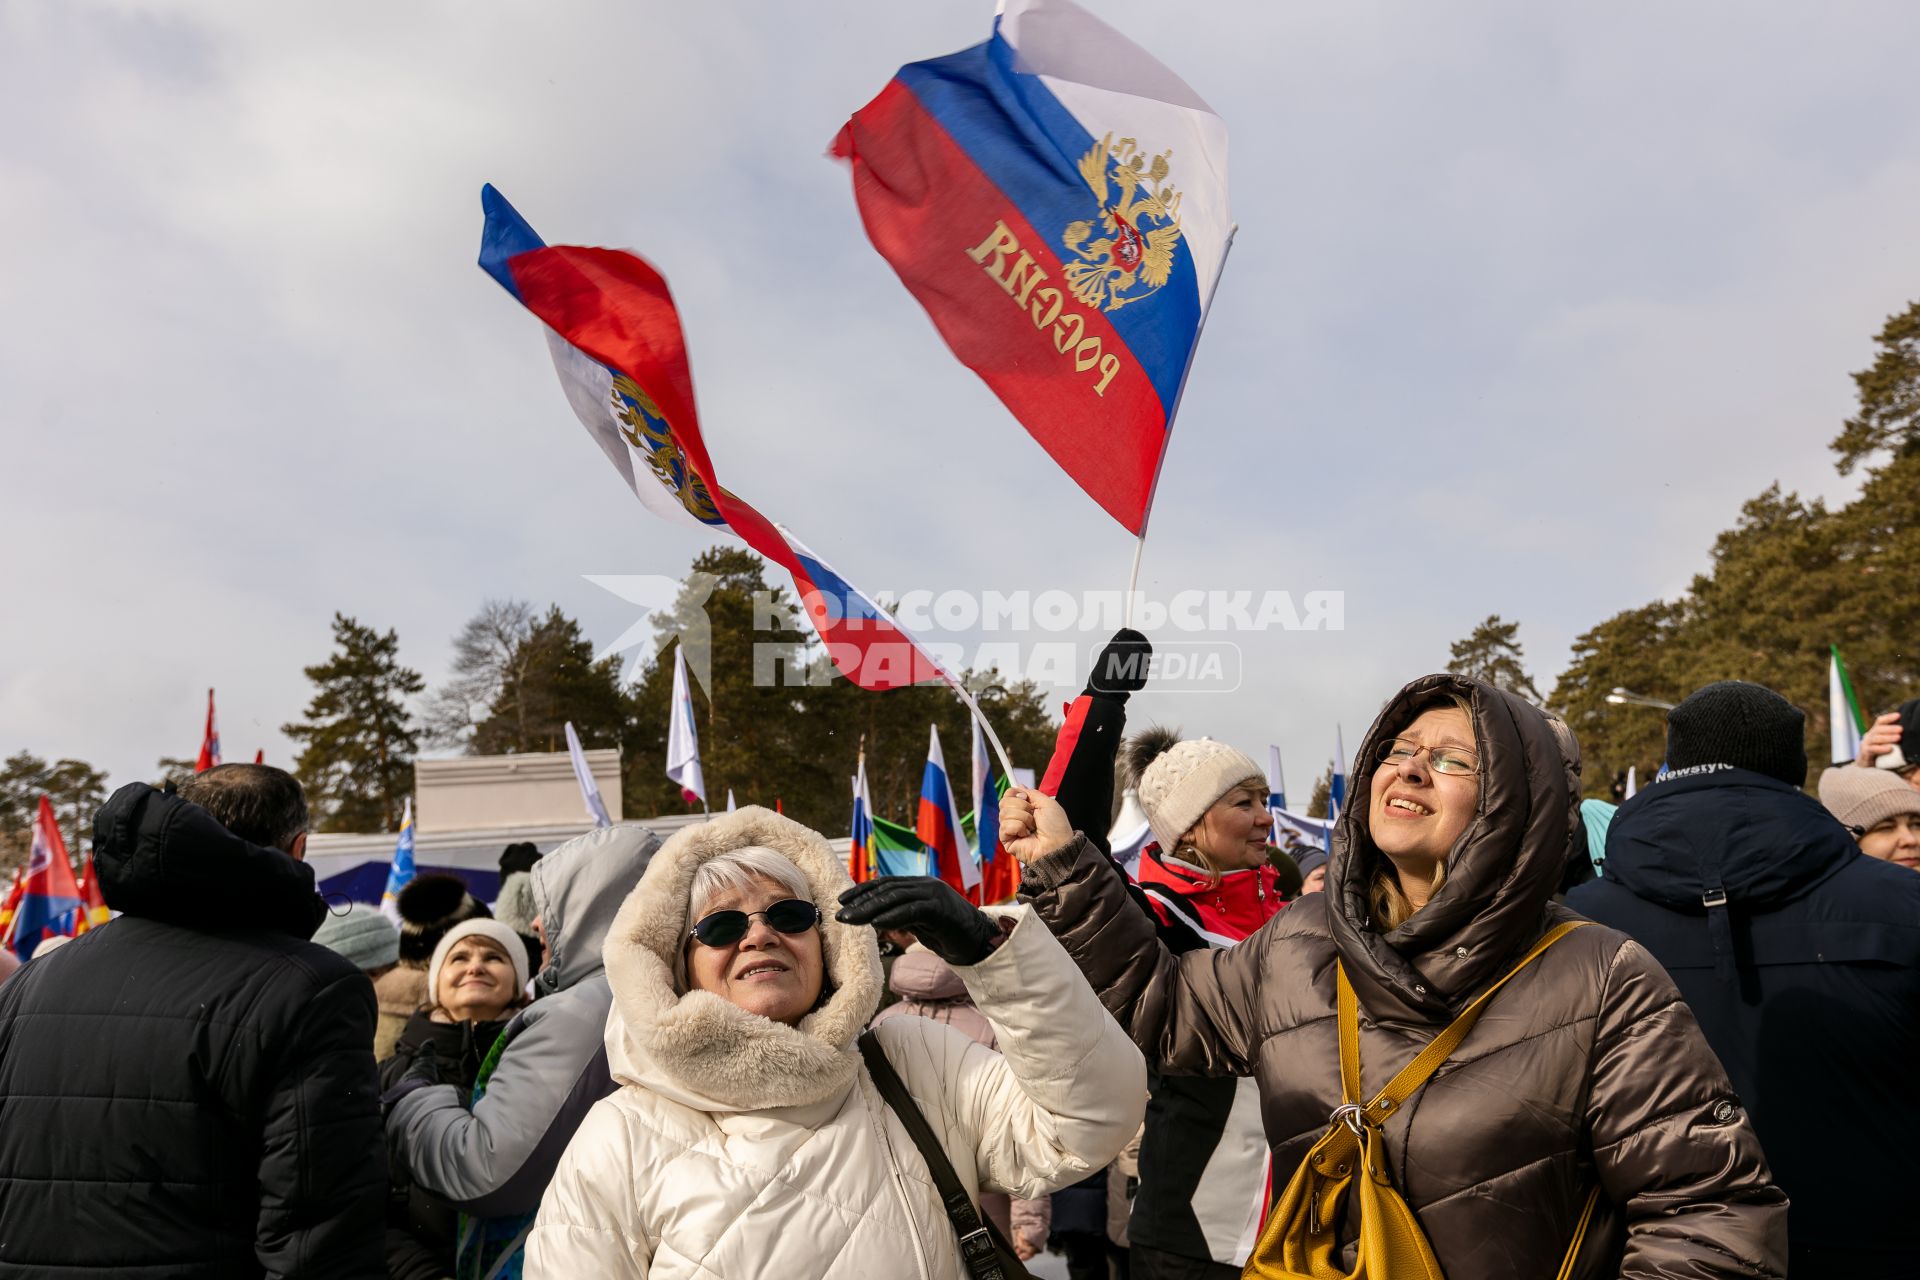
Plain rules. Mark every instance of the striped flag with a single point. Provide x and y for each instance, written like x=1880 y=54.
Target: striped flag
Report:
x=50 y=899
x=938 y=824
x=999 y=870
x=400 y=873
x=862 y=858
x=1844 y=720
x=11 y=903
x=1056 y=199
x=93 y=903
x=620 y=352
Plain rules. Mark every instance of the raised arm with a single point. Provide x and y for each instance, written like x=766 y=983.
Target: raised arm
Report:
x=1061 y=1097
x=1191 y=1014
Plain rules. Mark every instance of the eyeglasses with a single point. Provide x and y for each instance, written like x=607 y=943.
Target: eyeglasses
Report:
x=724 y=928
x=1448 y=760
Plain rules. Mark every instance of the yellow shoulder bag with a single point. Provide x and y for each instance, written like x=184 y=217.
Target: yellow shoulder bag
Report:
x=1298 y=1242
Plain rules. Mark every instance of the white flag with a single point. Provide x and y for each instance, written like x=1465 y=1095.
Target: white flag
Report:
x=683 y=743
x=1843 y=715
x=589 y=789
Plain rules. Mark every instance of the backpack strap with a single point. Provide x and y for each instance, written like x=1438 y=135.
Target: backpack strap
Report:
x=1416 y=1073
x=982 y=1251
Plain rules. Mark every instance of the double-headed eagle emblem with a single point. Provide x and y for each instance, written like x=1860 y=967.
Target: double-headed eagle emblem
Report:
x=646 y=430
x=1125 y=252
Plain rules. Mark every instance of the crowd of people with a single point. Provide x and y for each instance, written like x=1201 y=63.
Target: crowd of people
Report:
x=1491 y=1032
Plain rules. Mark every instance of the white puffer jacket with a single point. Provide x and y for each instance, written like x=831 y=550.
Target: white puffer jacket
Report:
x=737 y=1147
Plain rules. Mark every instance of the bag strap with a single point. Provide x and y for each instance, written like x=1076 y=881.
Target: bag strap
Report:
x=1416 y=1073
x=980 y=1245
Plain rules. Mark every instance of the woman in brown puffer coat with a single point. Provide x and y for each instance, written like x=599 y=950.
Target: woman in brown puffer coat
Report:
x=1587 y=1067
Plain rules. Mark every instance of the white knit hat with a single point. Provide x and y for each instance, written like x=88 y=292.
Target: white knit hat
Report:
x=1187 y=779
x=492 y=930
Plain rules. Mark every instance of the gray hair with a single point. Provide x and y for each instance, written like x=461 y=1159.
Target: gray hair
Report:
x=736 y=870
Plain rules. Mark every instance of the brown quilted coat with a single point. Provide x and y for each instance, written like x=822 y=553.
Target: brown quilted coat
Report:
x=1587 y=1066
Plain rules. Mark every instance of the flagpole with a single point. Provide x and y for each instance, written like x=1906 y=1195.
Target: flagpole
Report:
x=1133 y=579
x=1140 y=542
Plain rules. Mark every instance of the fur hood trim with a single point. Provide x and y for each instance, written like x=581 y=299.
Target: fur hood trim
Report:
x=710 y=1052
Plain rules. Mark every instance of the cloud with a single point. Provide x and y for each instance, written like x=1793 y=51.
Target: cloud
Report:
x=1525 y=302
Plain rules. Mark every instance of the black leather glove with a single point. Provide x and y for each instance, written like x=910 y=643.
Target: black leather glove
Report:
x=950 y=926
x=1121 y=668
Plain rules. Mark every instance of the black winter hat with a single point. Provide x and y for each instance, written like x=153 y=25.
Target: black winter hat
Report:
x=519 y=856
x=430 y=905
x=1748 y=726
x=1910 y=730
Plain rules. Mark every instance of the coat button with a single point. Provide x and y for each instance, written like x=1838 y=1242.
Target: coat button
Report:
x=1461 y=952
x=1419 y=989
x=1724 y=1112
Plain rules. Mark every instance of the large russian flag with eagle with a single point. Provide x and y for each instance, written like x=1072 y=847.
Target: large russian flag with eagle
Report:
x=1057 y=201
x=616 y=341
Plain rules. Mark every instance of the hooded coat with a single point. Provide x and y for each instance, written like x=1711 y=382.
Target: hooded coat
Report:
x=1587 y=1067
x=739 y=1147
x=1202 y=1167
x=1823 y=950
x=189 y=1089
x=494 y=1157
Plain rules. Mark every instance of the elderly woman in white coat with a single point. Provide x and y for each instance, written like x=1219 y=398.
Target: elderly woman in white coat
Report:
x=747 y=1137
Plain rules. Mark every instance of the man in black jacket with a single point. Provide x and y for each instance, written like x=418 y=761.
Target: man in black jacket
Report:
x=1799 y=956
x=189 y=1089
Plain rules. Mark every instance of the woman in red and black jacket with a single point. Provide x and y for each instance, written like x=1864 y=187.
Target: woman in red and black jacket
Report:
x=1206 y=882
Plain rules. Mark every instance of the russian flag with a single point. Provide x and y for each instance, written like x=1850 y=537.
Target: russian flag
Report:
x=938 y=825
x=999 y=871
x=49 y=903
x=617 y=345
x=1057 y=201
x=862 y=862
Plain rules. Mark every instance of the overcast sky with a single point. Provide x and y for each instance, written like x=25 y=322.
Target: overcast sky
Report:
x=1526 y=301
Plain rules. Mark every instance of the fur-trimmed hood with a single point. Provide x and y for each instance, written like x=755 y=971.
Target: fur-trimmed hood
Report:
x=700 y=1049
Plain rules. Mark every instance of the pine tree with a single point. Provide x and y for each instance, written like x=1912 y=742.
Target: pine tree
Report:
x=1492 y=653
x=1322 y=795
x=360 y=739
x=1889 y=417
x=1789 y=579
x=548 y=680
x=75 y=789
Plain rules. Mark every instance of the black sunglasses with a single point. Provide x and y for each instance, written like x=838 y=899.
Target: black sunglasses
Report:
x=724 y=928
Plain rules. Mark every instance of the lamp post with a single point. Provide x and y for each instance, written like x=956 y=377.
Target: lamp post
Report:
x=1623 y=697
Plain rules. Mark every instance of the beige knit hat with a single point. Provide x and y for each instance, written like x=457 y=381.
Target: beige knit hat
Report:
x=1866 y=797
x=1180 y=781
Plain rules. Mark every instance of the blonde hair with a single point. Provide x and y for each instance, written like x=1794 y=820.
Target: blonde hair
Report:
x=1388 y=903
x=1188 y=851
